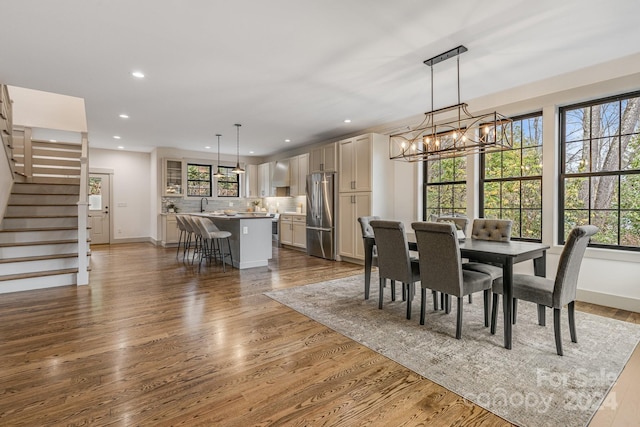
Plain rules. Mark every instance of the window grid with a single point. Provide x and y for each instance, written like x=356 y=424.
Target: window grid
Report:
x=198 y=180
x=600 y=170
x=445 y=187
x=228 y=185
x=517 y=169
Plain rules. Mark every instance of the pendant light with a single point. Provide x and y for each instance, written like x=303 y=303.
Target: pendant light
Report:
x=218 y=174
x=238 y=169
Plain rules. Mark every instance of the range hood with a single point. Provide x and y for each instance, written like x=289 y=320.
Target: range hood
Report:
x=280 y=176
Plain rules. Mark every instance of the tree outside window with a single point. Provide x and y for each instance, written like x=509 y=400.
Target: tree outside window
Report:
x=511 y=180
x=600 y=170
x=445 y=186
x=229 y=184
x=198 y=180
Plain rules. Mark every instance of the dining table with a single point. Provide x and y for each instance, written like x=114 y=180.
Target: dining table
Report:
x=505 y=254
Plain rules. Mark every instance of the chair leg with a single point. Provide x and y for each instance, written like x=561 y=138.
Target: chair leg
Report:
x=409 y=288
x=459 y=321
x=470 y=298
x=441 y=300
x=486 y=296
x=423 y=297
x=435 y=300
x=514 y=311
x=230 y=253
x=224 y=264
x=542 y=321
x=572 y=321
x=494 y=313
x=179 y=240
x=381 y=286
x=393 y=290
x=447 y=301
x=556 y=330
x=404 y=292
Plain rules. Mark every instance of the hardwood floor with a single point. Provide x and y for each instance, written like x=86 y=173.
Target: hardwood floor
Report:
x=153 y=342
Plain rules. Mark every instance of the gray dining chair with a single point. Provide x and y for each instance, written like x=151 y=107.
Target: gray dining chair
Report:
x=394 y=261
x=496 y=230
x=554 y=293
x=441 y=267
x=367 y=233
x=461 y=222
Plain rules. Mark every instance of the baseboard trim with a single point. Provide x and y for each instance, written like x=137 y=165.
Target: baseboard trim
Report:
x=133 y=240
x=608 y=300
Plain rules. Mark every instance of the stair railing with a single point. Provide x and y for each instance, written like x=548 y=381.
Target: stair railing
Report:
x=6 y=126
x=83 y=214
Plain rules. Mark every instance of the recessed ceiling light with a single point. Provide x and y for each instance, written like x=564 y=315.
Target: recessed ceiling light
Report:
x=287 y=140
x=250 y=152
x=116 y=137
x=124 y=116
x=120 y=147
x=138 y=74
x=53 y=140
x=347 y=120
x=207 y=147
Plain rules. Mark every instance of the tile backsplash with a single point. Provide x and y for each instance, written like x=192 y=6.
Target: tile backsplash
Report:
x=272 y=204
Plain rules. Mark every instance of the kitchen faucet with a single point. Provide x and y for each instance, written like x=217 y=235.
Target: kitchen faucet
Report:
x=204 y=199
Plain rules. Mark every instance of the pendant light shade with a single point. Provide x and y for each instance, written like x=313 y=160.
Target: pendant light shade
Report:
x=238 y=169
x=218 y=174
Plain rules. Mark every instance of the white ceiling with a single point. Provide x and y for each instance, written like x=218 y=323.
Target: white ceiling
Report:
x=291 y=69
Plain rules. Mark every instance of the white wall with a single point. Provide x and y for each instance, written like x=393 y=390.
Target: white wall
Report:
x=131 y=192
x=38 y=109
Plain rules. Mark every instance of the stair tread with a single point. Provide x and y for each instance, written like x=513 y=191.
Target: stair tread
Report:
x=37 y=274
x=26 y=230
x=37 y=258
x=38 y=243
x=40 y=216
x=42 y=204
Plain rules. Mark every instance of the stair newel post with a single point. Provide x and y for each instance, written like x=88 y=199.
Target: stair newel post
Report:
x=83 y=213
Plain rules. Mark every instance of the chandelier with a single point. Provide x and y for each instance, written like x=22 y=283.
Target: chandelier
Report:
x=238 y=170
x=451 y=131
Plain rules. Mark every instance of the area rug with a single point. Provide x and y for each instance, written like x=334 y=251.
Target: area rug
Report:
x=529 y=385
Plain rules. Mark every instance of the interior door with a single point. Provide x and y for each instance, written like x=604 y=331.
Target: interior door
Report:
x=99 y=196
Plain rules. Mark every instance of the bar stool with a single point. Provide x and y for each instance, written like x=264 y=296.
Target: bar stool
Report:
x=211 y=237
x=183 y=232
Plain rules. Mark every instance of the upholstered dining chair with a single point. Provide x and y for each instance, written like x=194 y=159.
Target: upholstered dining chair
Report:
x=441 y=267
x=367 y=233
x=394 y=261
x=497 y=230
x=552 y=293
x=461 y=222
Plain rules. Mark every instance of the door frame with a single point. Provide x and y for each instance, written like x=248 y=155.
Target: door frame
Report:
x=109 y=173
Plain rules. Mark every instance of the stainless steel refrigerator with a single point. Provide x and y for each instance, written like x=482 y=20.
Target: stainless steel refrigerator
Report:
x=321 y=203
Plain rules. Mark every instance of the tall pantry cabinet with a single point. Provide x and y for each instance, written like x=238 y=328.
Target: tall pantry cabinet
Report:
x=365 y=185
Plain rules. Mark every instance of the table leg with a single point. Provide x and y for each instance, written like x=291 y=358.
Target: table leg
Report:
x=507 y=306
x=540 y=265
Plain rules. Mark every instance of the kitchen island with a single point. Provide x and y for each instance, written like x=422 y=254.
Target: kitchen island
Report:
x=250 y=237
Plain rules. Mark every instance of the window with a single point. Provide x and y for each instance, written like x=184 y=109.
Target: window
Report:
x=228 y=185
x=600 y=170
x=198 y=180
x=445 y=186
x=511 y=180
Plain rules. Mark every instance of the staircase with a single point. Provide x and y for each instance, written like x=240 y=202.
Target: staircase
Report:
x=43 y=235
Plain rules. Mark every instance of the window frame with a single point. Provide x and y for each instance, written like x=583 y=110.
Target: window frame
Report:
x=618 y=173
x=519 y=179
x=426 y=184
x=220 y=180
x=210 y=181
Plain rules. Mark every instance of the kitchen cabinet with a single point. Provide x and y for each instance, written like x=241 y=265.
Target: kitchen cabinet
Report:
x=264 y=180
x=298 y=171
x=170 y=230
x=172 y=178
x=293 y=230
x=352 y=206
x=323 y=159
x=366 y=182
x=251 y=180
x=356 y=165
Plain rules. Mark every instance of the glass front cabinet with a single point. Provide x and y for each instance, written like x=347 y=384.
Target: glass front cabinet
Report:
x=173 y=181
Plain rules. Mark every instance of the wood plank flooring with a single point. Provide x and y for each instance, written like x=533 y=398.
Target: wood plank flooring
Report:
x=152 y=342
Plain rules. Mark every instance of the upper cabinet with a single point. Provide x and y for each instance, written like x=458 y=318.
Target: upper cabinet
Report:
x=172 y=178
x=264 y=180
x=323 y=159
x=251 y=180
x=356 y=155
x=298 y=171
